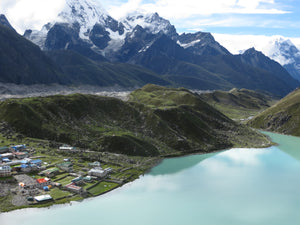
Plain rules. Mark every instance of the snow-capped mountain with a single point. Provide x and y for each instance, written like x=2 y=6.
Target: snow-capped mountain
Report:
x=150 y=42
x=86 y=13
x=151 y=22
x=259 y=60
x=278 y=48
x=86 y=27
x=281 y=50
x=286 y=53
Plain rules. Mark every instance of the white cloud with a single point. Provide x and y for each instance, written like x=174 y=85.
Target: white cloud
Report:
x=186 y=15
x=179 y=9
x=119 y=11
x=24 y=14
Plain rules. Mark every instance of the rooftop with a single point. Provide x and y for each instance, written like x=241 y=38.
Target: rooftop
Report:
x=43 y=198
x=72 y=186
x=42 y=180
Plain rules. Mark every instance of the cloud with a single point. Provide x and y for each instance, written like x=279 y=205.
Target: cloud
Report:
x=179 y=9
x=24 y=14
x=120 y=10
x=185 y=15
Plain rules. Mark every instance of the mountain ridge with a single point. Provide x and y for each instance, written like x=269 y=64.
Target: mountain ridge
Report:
x=192 y=60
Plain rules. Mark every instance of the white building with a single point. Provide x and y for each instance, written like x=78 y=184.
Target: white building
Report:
x=98 y=172
x=42 y=198
x=5 y=171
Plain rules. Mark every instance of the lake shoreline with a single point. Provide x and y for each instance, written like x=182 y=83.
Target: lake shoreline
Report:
x=156 y=161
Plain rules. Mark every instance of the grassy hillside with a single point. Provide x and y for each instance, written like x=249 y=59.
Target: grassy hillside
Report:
x=283 y=117
x=156 y=121
x=239 y=103
x=189 y=115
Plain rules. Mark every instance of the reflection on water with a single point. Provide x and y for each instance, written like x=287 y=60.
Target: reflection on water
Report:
x=175 y=165
x=238 y=186
x=287 y=144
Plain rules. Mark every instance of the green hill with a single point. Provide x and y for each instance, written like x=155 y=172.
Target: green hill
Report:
x=283 y=117
x=176 y=122
x=239 y=103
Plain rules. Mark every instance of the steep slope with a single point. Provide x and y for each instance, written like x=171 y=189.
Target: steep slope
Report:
x=241 y=75
x=259 y=60
x=239 y=103
x=4 y=22
x=283 y=117
x=22 y=62
x=156 y=121
x=82 y=70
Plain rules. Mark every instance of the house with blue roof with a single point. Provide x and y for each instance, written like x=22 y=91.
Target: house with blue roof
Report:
x=36 y=162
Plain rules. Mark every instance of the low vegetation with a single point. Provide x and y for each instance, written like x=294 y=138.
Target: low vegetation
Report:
x=283 y=117
x=155 y=121
x=239 y=104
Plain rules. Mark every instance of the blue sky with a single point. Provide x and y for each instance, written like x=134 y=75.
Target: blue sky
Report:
x=239 y=17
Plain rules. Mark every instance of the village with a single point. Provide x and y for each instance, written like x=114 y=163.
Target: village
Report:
x=37 y=178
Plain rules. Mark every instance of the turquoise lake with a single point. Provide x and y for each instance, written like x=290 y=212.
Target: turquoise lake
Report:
x=234 y=187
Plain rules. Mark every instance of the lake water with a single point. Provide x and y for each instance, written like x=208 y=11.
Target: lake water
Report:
x=234 y=187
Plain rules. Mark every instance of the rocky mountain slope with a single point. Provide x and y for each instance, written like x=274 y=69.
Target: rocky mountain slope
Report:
x=4 y=22
x=282 y=117
x=22 y=62
x=82 y=70
x=259 y=60
x=156 y=121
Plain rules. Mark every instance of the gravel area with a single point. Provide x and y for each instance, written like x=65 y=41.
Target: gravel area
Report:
x=5 y=189
x=21 y=91
x=19 y=200
x=27 y=180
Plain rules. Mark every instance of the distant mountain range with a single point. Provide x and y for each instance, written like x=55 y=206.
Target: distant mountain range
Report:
x=86 y=45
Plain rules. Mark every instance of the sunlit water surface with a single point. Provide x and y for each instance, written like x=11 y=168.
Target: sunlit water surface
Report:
x=234 y=187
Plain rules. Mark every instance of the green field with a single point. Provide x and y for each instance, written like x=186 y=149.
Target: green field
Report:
x=57 y=193
x=102 y=187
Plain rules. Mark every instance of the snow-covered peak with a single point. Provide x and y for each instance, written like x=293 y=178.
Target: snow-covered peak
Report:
x=84 y=12
x=281 y=50
x=149 y=21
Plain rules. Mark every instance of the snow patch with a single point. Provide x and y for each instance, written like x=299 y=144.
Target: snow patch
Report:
x=187 y=45
x=116 y=41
